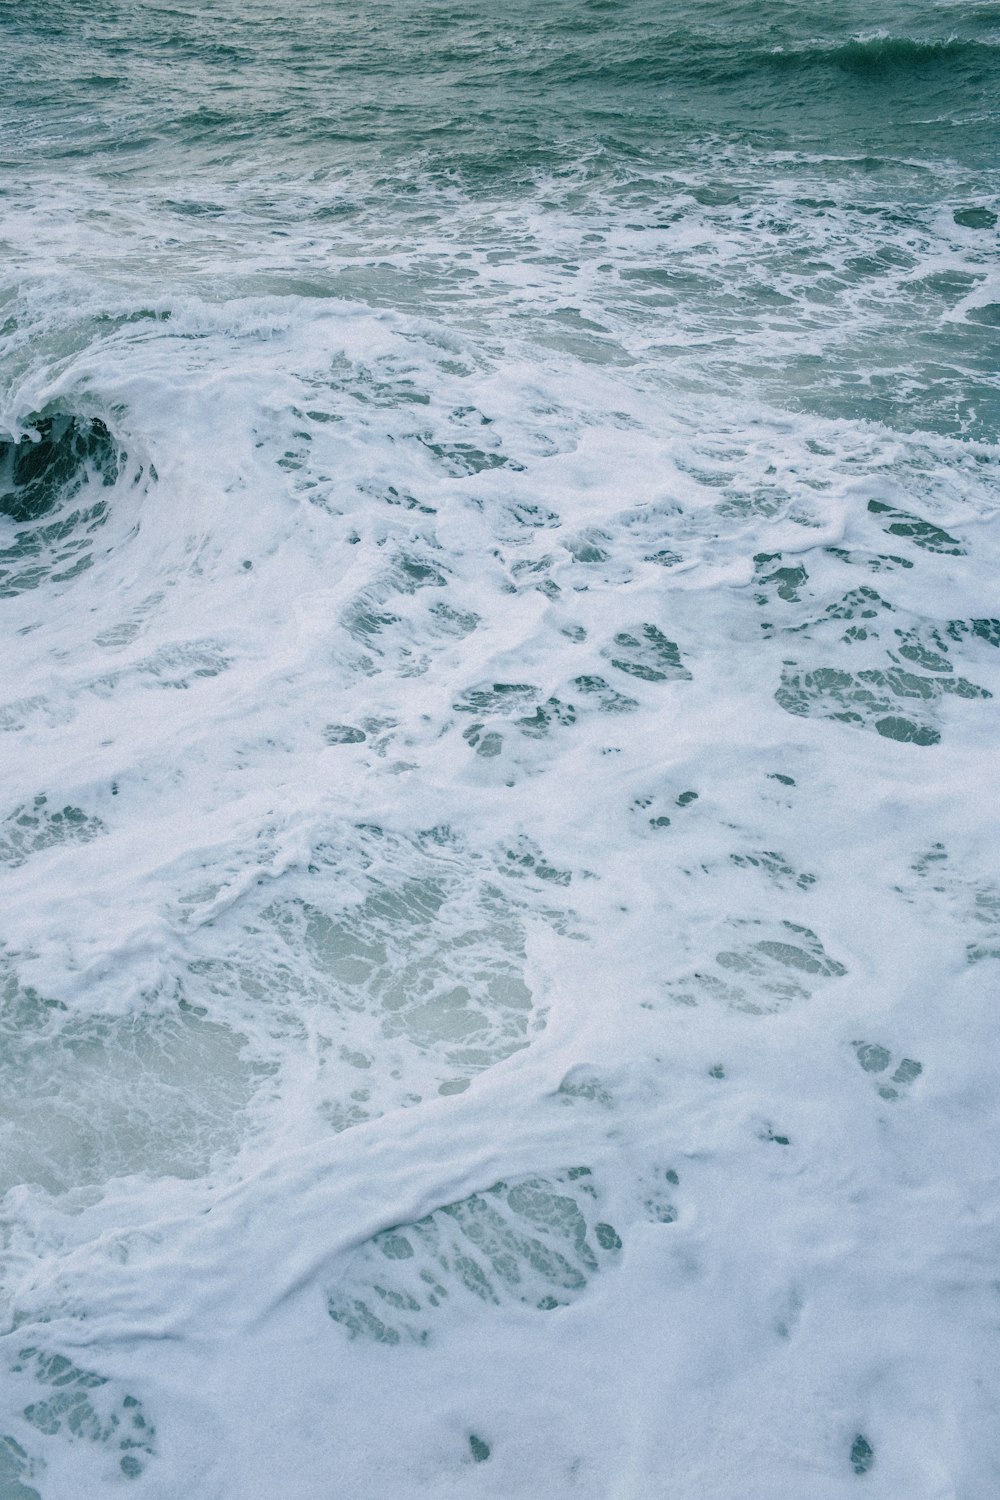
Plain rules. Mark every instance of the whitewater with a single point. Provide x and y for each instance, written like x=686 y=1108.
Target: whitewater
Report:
x=499 y=899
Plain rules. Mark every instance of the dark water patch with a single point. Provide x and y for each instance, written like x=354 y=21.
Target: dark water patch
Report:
x=975 y=217
x=344 y=734
x=53 y=462
x=923 y=534
x=862 y=1455
x=764 y=976
x=645 y=652
x=57 y=552
x=33 y=827
x=194 y=208
x=80 y=1406
x=15 y=1467
x=872 y=699
x=53 y=498
x=537 y=1242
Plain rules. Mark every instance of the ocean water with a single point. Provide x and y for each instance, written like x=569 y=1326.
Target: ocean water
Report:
x=499 y=901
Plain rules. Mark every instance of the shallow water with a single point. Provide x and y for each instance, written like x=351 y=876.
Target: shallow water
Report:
x=498 y=552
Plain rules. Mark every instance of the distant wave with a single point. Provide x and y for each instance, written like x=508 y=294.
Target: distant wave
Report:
x=687 y=56
x=877 y=55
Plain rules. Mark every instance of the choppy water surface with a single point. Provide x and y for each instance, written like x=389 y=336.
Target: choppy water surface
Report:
x=500 y=914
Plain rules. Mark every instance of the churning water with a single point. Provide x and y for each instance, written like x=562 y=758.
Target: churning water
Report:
x=499 y=538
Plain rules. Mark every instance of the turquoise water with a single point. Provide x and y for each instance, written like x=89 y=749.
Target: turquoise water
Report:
x=498 y=898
